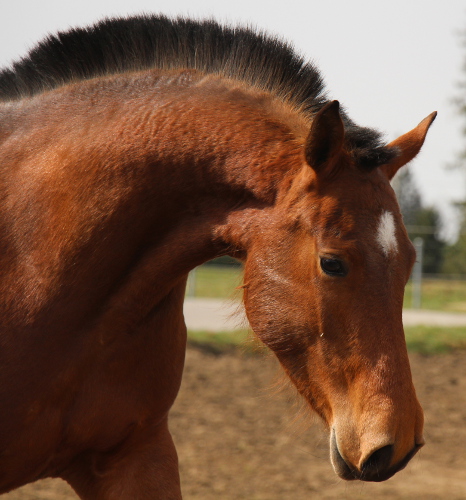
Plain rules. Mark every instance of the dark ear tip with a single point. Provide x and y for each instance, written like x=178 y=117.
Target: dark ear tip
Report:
x=331 y=106
x=430 y=119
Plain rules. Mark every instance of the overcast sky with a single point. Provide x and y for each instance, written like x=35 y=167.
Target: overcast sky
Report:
x=389 y=63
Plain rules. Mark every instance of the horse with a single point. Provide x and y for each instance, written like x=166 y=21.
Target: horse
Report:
x=138 y=148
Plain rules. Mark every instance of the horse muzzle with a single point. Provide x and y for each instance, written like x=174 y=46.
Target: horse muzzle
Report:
x=376 y=467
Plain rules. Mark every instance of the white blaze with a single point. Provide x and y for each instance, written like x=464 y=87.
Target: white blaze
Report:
x=386 y=236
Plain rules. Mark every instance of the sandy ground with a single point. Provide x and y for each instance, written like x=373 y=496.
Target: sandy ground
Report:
x=240 y=437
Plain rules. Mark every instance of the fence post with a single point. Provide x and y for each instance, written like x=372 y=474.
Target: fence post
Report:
x=416 y=298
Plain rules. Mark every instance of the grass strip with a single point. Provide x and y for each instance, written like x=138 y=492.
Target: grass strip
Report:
x=221 y=342
x=422 y=339
x=435 y=339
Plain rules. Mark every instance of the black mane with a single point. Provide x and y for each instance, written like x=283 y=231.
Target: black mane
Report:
x=143 y=42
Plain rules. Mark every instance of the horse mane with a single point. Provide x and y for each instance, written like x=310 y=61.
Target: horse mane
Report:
x=153 y=41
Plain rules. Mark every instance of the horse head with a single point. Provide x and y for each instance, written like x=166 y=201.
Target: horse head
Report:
x=324 y=282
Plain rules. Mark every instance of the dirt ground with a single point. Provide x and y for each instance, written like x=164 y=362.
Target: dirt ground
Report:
x=240 y=437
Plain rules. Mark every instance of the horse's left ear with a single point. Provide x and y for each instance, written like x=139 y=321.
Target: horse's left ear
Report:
x=325 y=140
x=408 y=146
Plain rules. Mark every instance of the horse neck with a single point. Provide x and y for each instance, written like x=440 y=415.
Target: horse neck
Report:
x=209 y=148
x=146 y=182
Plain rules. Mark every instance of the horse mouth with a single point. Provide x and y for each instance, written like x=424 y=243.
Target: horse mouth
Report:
x=370 y=472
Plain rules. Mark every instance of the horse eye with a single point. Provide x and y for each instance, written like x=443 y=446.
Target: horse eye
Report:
x=332 y=267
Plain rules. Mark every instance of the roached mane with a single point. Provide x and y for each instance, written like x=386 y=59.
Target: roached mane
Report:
x=128 y=44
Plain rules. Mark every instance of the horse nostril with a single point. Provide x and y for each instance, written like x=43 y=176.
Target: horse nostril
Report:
x=377 y=463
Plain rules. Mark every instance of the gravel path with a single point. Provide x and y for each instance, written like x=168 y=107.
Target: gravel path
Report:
x=224 y=315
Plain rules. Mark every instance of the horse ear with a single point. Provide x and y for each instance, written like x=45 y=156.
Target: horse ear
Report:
x=408 y=146
x=325 y=140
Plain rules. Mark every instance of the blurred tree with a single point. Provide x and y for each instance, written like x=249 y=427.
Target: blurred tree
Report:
x=460 y=103
x=408 y=195
x=455 y=254
x=427 y=225
x=420 y=221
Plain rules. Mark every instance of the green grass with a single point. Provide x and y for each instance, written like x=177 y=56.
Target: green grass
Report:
x=222 y=281
x=215 y=281
x=442 y=295
x=422 y=339
x=219 y=342
x=435 y=339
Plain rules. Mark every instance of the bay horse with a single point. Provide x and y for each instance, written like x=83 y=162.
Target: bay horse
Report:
x=131 y=152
